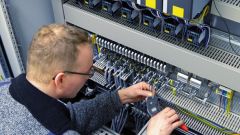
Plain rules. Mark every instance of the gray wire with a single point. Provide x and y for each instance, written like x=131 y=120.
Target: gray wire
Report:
x=225 y=23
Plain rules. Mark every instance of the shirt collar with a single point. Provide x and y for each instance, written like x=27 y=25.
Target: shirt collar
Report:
x=52 y=114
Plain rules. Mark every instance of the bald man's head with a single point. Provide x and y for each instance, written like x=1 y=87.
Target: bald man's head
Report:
x=54 y=47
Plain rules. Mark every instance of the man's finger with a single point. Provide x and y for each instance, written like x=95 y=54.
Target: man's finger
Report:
x=177 y=124
x=145 y=86
x=144 y=93
x=171 y=113
x=167 y=109
x=174 y=118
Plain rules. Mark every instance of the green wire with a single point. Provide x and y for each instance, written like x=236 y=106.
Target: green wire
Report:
x=221 y=129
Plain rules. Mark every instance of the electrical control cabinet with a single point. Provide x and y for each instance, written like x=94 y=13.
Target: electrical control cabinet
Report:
x=199 y=82
x=10 y=58
x=154 y=4
x=5 y=71
x=187 y=9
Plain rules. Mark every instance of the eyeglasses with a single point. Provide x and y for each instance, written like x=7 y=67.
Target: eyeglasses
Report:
x=90 y=74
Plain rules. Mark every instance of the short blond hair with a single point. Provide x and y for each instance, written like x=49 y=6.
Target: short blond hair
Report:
x=54 y=47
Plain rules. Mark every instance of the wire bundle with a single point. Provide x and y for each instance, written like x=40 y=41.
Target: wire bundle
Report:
x=139 y=115
x=119 y=121
x=201 y=119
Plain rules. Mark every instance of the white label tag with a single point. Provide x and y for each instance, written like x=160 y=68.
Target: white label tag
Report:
x=139 y=2
x=165 y=6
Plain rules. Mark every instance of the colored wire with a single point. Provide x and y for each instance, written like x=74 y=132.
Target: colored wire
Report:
x=207 y=122
x=119 y=121
x=200 y=19
x=203 y=120
x=225 y=23
x=229 y=101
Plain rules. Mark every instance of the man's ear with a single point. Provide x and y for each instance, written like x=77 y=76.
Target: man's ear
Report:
x=59 y=80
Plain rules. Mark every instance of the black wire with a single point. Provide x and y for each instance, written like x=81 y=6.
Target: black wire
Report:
x=225 y=23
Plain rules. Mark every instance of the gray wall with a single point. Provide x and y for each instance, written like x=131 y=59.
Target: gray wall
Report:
x=27 y=16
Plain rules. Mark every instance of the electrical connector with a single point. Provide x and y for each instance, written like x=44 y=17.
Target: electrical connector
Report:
x=93 y=3
x=153 y=106
x=182 y=77
x=195 y=83
x=151 y=21
x=223 y=91
x=197 y=35
x=129 y=13
x=111 y=7
x=227 y=93
x=147 y=18
x=173 y=26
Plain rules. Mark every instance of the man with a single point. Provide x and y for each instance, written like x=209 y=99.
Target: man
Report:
x=59 y=63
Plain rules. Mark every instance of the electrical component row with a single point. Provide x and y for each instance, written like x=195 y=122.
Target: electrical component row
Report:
x=136 y=72
x=193 y=31
x=161 y=66
x=182 y=84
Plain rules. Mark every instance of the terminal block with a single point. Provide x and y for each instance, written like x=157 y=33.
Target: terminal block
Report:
x=195 y=83
x=182 y=77
x=125 y=66
x=129 y=13
x=228 y=97
x=223 y=91
x=79 y=2
x=197 y=35
x=93 y=3
x=173 y=26
x=151 y=21
x=111 y=7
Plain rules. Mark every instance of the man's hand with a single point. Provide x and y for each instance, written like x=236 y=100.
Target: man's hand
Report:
x=135 y=93
x=164 y=122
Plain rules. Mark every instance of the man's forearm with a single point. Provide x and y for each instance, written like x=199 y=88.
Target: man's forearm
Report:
x=89 y=115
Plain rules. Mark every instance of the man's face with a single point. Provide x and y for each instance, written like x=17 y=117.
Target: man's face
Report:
x=74 y=82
